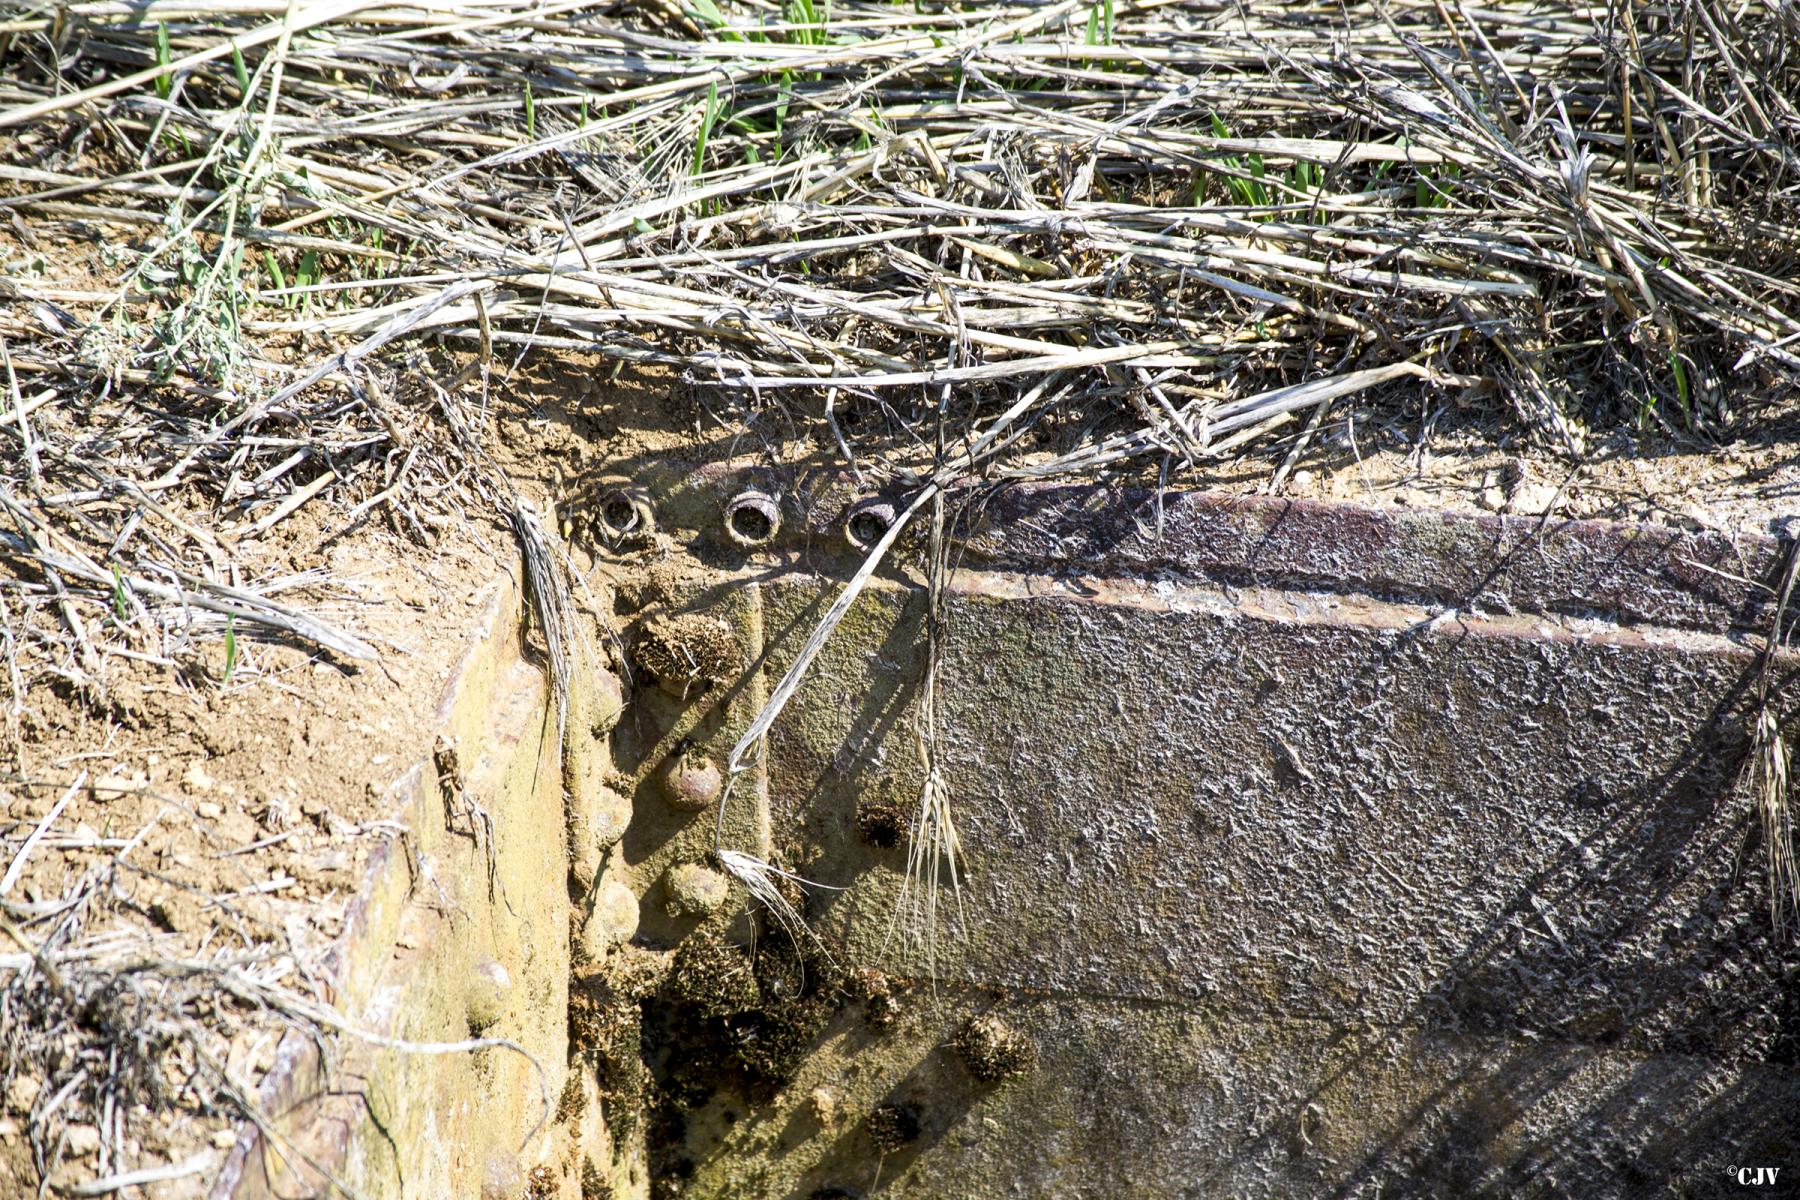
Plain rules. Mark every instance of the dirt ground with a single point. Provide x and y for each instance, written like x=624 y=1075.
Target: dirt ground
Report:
x=246 y=807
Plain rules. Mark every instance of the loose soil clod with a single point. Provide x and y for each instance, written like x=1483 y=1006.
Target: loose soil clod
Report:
x=687 y=653
x=993 y=1050
x=893 y=1127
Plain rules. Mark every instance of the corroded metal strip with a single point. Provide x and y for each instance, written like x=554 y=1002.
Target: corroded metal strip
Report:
x=1625 y=572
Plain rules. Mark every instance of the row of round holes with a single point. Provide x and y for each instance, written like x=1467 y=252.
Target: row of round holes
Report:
x=751 y=518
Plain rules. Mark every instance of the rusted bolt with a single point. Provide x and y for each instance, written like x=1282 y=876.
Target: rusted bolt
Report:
x=752 y=519
x=867 y=522
x=692 y=890
x=485 y=999
x=624 y=515
x=692 y=781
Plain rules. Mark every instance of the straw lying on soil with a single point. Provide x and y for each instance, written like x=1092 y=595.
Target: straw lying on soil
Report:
x=1205 y=224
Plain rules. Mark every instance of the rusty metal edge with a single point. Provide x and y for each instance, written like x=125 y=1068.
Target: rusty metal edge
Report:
x=1627 y=572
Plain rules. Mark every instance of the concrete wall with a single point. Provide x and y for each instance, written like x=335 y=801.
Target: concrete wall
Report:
x=1403 y=863
x=460 y=929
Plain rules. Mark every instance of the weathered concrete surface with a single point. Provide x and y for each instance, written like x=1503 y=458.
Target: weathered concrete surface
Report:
x=437 y=950
x=1488 y=849
x=1398 y=856
x=1315 y=850
x=1338 y=811
x=1136 y=1100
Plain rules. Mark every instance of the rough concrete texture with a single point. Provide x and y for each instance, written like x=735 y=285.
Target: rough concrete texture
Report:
x=1308 y=850
x=1336 y=812
x=1140 y=1100
x=1298 y=888
x=436 y=950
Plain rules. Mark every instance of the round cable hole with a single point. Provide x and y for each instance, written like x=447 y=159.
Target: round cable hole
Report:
x=624 y=515
x=868 y=522
x=752 y=519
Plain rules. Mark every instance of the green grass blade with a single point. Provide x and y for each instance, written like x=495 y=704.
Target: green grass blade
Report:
x=165 y=83
x=707 y=118
x=708 y=13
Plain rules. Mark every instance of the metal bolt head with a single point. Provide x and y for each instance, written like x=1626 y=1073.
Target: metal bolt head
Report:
x=692 y=890
x=611 y=922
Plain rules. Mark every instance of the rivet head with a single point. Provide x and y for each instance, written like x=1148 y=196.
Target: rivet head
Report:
x=485 y=999
x=611 y=922
x=866 y=523
x=691 y=781
x=692 y=890
x=752 y=519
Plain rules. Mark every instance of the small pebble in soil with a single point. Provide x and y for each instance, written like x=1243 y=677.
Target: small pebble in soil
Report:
x=824 y=1104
